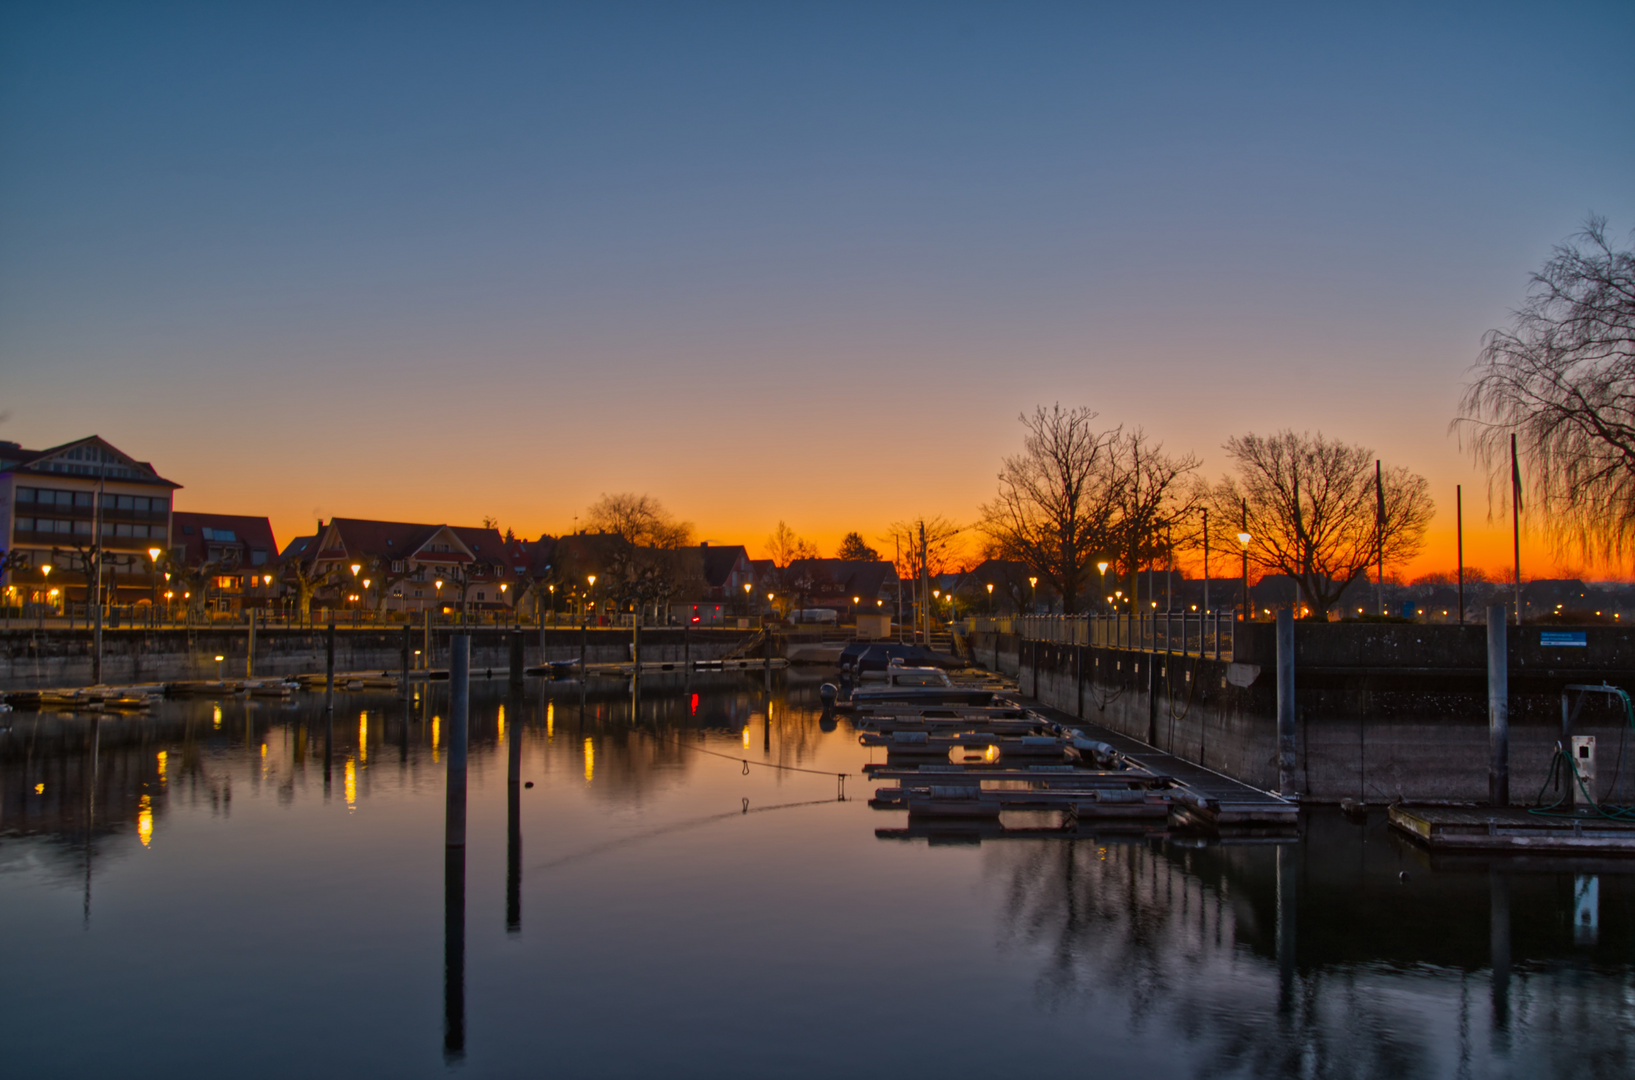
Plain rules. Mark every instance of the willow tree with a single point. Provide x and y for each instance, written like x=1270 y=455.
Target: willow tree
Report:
x=1318 y=510
x=1561 y=381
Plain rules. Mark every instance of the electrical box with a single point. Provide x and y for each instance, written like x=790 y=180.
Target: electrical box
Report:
x=1584 y=762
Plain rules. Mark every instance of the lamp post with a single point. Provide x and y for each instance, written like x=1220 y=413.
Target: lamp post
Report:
x=45 y=574
x=153 y=575
x=748 y=588
x=990 y=599
x=504 y=585
x=591 y=578
x=1033 y=593
x=1243 y=542
x=1101 y=568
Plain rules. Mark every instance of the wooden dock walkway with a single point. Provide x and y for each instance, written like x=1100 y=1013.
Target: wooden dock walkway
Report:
x=1513 y=829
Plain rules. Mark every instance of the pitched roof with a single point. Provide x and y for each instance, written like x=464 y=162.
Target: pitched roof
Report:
x=90 y=458
x=194 y=533
x=859 y=577
x=719 y=562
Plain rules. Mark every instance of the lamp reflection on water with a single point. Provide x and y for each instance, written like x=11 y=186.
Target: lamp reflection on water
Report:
x=550 y=720
x=363 y=738
x=215 y=717
x=351 y=783
x=162 y=760
x=144 y=820
x=436 y=724
x=590 y=759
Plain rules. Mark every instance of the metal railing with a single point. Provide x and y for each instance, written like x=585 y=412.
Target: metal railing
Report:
x=1185 y=633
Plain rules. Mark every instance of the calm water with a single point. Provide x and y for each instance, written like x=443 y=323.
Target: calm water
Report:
x=214 y=905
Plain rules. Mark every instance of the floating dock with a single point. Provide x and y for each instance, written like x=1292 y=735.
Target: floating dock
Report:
x=957 y=764
x=1513 y=829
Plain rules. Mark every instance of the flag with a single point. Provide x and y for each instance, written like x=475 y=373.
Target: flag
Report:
x=1515 y=478
x=1379 y=498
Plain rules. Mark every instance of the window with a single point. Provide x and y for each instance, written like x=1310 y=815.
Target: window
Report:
x=397 y=566
x=258 y=556
x=481 y=596
x=26 y=495
x=82 y=528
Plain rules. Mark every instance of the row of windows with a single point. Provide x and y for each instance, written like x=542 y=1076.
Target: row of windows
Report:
x=56 y=526
x=53 y=497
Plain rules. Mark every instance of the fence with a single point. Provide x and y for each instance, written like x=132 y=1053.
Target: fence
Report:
x=1207 y=634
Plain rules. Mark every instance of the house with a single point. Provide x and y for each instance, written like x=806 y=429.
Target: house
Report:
x=395 y=566
x=850 y=585
x=56 y=505
x=230 y=557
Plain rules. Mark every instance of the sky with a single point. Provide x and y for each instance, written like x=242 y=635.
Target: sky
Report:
x=800 y=262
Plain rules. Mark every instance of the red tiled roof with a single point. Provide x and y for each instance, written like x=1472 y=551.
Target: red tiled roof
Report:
x=249 y=535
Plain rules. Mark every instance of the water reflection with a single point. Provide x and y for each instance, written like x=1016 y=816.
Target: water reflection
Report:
x=664 y=881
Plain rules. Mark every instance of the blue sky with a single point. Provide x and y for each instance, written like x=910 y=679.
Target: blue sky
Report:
x=645 y=247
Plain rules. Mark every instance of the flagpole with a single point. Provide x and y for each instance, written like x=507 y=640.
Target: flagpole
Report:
x=1515 y=519
x=1459 y=532
x=1379 y=536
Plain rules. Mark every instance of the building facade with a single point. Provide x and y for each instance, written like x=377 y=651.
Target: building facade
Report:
x=62 y=508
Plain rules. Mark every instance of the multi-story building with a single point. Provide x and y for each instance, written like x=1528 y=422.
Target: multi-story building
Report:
x=59 y=506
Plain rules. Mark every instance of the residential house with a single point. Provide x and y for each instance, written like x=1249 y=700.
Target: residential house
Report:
x=393 y=566
x=849 y=585
x=57 y=505
x=230 y=557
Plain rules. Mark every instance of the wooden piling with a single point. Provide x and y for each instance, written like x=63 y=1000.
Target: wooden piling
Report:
x=459 y=688
x=1285 y=703
x=1498 y=707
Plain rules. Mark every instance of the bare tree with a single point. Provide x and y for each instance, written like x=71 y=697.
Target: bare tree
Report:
x=1313 y=512
x=1562 y=380
x=1157 y=497
x=642 y=563
x=783 y=546
x=942 y=545
x=1058 y=500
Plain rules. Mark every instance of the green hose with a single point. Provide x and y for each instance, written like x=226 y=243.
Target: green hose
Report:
x=1610 y=812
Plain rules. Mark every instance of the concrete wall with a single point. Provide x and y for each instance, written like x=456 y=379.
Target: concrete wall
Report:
x=56 y=658
x=1410 y=723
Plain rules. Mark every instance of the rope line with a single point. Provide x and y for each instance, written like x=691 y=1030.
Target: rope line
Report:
x=747 y=762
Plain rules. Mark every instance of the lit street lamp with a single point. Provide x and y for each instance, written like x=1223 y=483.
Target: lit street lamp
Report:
x=1033 y=593
x=1101 y=568
x=1243 y=541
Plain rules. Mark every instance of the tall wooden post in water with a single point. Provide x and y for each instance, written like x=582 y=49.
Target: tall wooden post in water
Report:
x=249 y=651
x=454 y=852
x=1285 y=703
x=1498 y=707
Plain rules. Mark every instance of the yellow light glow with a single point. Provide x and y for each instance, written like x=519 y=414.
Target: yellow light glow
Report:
x=991 y=754
x=351 y=783
x=363 y=738
x=39 y=789
x=215 y=717
x=550 y=720
x=164 y=759
x=436 y=733
x=502 y=721
x=263 y=751
x=144 y=820
x=590 y=759
x=746 y=737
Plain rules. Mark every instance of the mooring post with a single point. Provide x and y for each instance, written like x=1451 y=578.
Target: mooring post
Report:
x=1498 y=707
x=459 y=690
x=425 y=647
x=454 y=851
x=583 y=638
x=1285 y=702
x=516 y=659
x=636 y=644
x=407 y=631
x=249 y=651
x=329 y=668
x=513 y=806
x=1498 y=884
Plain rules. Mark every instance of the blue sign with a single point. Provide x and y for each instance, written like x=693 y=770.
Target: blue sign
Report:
x=1558 y=638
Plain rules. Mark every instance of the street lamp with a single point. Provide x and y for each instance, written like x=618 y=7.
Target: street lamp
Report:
x=1033 y=593
x=1101 y=568
x=1243 y=541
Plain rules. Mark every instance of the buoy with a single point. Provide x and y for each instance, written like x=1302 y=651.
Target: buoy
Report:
x=828 y=692
x=528 y=783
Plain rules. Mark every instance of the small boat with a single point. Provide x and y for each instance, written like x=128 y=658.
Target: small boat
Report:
x=915 y=685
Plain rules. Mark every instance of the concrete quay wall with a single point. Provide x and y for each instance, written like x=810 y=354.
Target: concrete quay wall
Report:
x=32 y=659
x=1412 y=726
